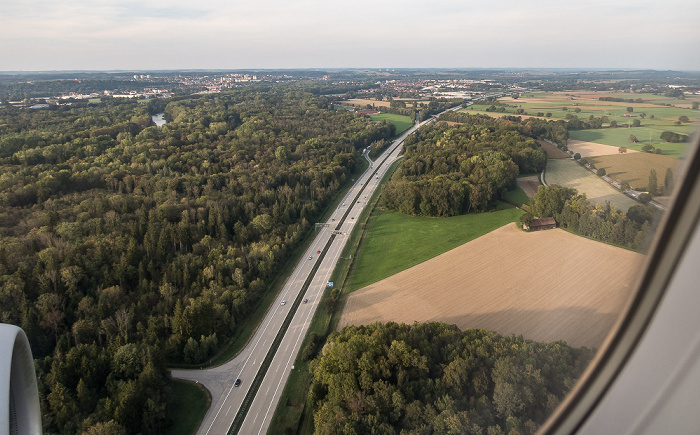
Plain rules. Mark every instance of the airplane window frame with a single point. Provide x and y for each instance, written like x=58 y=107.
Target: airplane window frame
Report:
x=669 y=243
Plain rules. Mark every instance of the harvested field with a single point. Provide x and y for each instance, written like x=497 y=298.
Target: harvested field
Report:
x=589 y=149
x=552 y=151
x=539 y=285
x=568 y=173
x=529 y=184
x=364 y=102
x=634 y=168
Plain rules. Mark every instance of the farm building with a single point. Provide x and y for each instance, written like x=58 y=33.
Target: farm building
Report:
x=547 y=223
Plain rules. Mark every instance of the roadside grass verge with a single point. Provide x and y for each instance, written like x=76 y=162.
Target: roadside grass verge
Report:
x=401 y=122
x=188 y=405
x=397 y=242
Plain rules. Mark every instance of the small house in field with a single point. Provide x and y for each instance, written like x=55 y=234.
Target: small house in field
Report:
x=547 y=223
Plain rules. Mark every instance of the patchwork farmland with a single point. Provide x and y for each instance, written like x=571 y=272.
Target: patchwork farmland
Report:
x=538 y=285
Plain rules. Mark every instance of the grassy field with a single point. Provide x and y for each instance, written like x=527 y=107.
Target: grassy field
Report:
x=397 y=242
x=568 y=173
x=634 y=168
x=620 y=137
x=540 y=285
x=189 y=405
x=401 y=122
x=517 y=196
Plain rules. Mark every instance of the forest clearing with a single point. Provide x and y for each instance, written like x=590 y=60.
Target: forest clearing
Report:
x=538 y=285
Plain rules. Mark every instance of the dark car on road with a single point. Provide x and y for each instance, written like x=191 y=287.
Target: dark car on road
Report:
x=237 y=383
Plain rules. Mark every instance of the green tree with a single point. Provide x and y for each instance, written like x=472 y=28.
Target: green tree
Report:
x=281 y=153
x=632 y=138
x=636 y=123
x=600 y=172
x=695 y=105
x=630 y=109
x=652 y=185
x=668 y=181
x=683 y=118
x=645 y=197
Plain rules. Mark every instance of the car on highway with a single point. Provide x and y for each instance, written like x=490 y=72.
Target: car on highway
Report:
x=305 y=300
x=310 y=257
x=283 y=303
x=318 y=252
x=352 y=217
x=237 y=383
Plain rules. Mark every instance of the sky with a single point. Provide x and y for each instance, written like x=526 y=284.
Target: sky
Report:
x=41 y=35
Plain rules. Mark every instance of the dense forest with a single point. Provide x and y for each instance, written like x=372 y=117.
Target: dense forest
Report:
x=432 y=378
x=449 y=170
x=124 y=246
x=602 y=222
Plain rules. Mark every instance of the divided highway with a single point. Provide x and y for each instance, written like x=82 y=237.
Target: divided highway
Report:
x=295 y=305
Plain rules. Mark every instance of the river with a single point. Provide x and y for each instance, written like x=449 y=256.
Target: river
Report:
x=158 y=119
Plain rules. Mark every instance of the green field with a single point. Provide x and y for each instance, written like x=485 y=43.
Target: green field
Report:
x=517 y=196
x=619 y=137
x=401 y=122
x=587 y=103
x=568 y=173
x=188 y=407
x=396 y=242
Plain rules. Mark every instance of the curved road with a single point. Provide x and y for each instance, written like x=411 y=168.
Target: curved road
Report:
x=330 y=241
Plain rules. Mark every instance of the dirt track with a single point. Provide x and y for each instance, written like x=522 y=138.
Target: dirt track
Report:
x=547 y=285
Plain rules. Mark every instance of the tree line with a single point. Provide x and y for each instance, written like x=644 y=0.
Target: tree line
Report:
x=602 y=222
x=124 y=246
x=433 y=378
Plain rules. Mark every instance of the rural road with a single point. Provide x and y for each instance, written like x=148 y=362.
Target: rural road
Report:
x=330 y=241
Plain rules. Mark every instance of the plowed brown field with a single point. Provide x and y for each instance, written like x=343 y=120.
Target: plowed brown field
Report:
x=546 y=285
x=529 y=184
x=552 y=151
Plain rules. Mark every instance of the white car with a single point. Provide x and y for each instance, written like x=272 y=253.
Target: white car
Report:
x=283 y=303
x=310 y=257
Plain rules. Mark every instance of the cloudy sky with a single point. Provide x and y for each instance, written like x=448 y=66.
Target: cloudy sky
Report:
x=232 y=34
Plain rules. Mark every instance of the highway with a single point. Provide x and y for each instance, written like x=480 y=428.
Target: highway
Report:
x=226 y=398
x=329 y=241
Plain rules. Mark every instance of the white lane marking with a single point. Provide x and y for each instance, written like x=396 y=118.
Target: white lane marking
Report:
x=325 y=279
x=262 y=334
